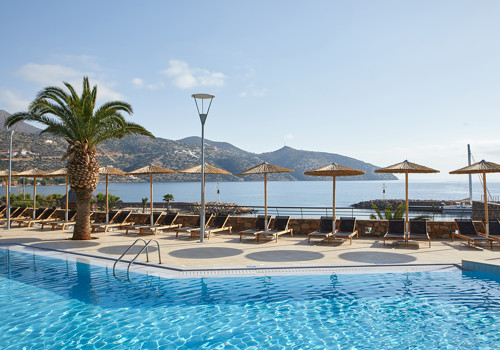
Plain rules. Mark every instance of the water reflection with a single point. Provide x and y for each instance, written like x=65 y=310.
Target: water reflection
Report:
x=82 y=288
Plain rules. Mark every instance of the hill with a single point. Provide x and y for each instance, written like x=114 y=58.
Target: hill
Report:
x=32 y=150
x=20 y=127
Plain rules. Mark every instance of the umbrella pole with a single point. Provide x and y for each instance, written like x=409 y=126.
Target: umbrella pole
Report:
x=34 y=196
x=333 y=207
x=107 y=205
x=265 y=201
x=407 y=209
x=151 y=190
x=486 y=206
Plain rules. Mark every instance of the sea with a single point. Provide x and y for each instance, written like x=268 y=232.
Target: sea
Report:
x=289 y=193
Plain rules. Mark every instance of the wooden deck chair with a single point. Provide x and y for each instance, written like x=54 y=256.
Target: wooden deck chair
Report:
x=395 y=230
x=260 y=222
x=156 y=217
x=188 y=229
x=60 y=220
x=466 y=230
x=45 y=216
x=494 y=230
x=15 y=212
x=280 y=227
x=418 y=231
x=218 y=225
x=27 y=213
x=325 y=229
x=119 y=220
x=99 y=217
x=346 y=230
x=38 y=214
x=166 y=222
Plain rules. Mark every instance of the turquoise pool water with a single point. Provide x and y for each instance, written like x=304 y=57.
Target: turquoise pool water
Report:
x=50 y=303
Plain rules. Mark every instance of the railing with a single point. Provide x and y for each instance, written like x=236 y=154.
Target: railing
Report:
x=432 y=213
x=137 y=255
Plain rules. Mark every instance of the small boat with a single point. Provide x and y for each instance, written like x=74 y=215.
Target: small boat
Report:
x=457 y=208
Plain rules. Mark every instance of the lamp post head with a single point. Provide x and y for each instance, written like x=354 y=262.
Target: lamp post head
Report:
x=202 y=97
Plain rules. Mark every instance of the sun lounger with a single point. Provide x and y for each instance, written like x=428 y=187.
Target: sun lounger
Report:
x=280 y=227
x=325 y=229
x=466 y=230
x=218 y=225
x=99 y=217
x=346 y=230
x=258 y=227
x=24 y=213
x=494 y=230
x=156 y=217
x=119 y=220
x=46 y=215
x=395 y=230
x=58 y=220
x=418 y=231
x=166 y=222
x=26 y=220
x=15 y=212
x=208 y=217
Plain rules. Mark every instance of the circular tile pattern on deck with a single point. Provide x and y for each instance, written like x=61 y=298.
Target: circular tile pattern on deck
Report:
x=205 y=253
x=377 y=257
x=284 y=255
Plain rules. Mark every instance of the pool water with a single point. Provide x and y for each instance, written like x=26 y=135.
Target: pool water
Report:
x=49 y=303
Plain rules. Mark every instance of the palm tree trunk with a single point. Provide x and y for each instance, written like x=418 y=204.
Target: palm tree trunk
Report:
x=82 y=226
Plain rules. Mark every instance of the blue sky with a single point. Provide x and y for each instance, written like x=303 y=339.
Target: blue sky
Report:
x=381 y=81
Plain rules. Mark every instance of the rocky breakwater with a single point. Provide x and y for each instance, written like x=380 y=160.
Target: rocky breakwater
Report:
x=432 y=205
x=219 y=208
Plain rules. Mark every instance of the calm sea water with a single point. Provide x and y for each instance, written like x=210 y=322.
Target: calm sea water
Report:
x=288 y=193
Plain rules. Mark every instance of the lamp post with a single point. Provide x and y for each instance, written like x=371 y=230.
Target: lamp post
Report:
x=199 y=99
x=9 y=180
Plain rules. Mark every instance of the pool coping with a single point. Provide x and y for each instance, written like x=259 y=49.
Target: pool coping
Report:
x=173 y=271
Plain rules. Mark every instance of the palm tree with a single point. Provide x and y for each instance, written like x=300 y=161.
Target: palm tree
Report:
x=167 y=198
x=84 y=126
x=144 y=203
x=388 y=213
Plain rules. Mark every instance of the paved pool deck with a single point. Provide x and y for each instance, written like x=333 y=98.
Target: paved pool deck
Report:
x=226 y=251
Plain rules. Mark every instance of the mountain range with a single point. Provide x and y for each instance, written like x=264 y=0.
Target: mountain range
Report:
x=132 y=152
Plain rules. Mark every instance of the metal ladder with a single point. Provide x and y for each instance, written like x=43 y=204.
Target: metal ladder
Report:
x=130 y=262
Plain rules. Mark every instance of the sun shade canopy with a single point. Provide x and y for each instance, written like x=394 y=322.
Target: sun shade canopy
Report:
x=266 y=168
x=406 y=167
x=33 y=173
x=208 y=170
x=334 y=170
x=109 y=170
x=152 y=169
x=478 y=168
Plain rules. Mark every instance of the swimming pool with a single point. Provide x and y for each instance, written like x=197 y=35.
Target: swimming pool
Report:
x=57 y=304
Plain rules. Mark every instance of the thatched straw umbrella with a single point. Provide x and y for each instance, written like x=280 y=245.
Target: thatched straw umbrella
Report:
x=109 y=170
x=265 y=168
x=406 y=167
x=208 y=169
x=63 y=172
x=481 y=167
x=34 y=173
x=334 y=170
x=151 y=169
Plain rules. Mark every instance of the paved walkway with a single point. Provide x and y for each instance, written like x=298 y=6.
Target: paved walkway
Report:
x=227 y=251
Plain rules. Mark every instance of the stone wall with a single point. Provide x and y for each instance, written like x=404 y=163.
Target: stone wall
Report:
x=366 y=228
x=478 y=210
